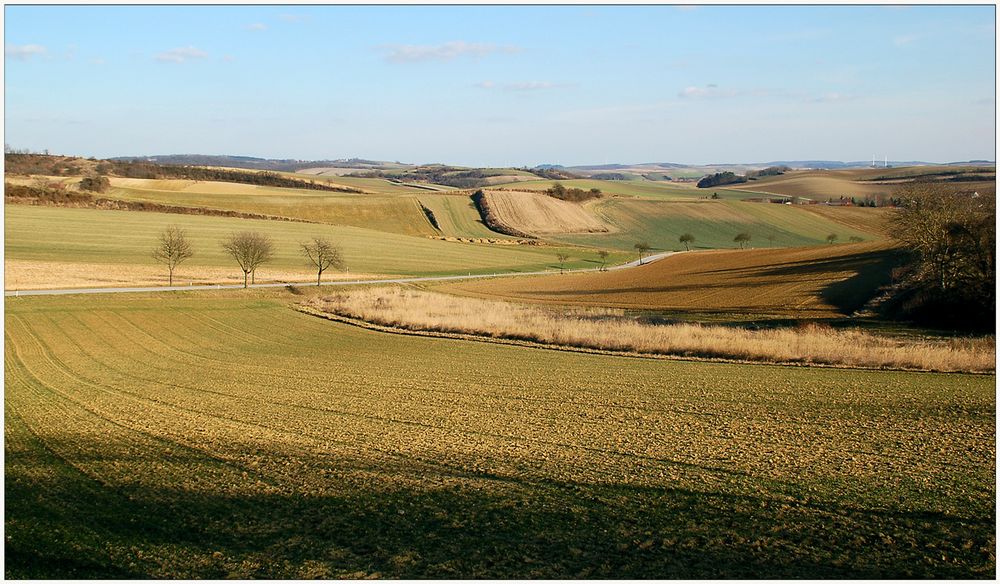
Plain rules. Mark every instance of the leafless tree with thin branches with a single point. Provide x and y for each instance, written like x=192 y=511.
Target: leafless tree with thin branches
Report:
x=173 y=249
x=322 y=254
x=250 y=249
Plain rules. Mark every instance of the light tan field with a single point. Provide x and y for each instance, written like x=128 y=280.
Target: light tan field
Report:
x=608 y=330
x=817 y=184
x=862 y=182
x=812 y=282
x=541 y=214
x=873 y=220
x=40 y=275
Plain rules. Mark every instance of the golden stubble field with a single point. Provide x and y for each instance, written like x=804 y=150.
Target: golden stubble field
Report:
x=226 y=435
x=541 y=214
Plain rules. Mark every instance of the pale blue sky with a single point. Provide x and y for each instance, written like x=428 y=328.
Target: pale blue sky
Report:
x=504 y=85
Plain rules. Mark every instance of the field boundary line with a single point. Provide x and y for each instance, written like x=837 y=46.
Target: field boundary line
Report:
x=404 y=280
x=611 y=352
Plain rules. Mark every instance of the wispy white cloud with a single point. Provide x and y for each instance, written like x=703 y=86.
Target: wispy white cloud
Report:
x=445 y=52
x=23 y=52
x=294 y=18
x=256 y=26
x=799 y=35
x=831 y=98
x=180 y=55
x=904 y=40
x=710 y=91
x=713 y=91
x=521 y=85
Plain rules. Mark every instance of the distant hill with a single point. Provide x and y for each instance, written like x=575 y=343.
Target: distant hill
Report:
x=253 y=163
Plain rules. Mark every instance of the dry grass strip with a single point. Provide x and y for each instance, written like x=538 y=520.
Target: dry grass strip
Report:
x=610 y=330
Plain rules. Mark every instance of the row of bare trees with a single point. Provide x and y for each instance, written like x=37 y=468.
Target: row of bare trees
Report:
x=250 y=250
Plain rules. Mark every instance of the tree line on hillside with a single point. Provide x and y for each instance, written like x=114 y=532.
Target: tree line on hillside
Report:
x=57 y=195
x=149 y=170
x=769 y=171
x=440 y=175
x=249 y=249
x=17 y=162
x=721 y=178
x=731 y=178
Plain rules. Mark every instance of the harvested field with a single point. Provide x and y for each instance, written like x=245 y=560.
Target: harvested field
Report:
x=215 y=435
x=609 y=330
x=812 y=282
x=541 y=214
x=868 y=219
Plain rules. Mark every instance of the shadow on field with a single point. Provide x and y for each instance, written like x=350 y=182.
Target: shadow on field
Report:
x=411 y=522
x=871 y=271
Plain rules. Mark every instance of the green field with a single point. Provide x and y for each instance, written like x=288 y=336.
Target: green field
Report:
x=714 y=224
x=124 y=237
x=215 y=435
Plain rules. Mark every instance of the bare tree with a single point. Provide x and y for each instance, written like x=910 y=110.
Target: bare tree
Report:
x=173 y=249
x=742 y=239
x=641 y=247
x=323 y=255
x=770 y=239
x=250 y=249
x=832 y=238
x=686 y=239
x=603 y=254
x=562 y=260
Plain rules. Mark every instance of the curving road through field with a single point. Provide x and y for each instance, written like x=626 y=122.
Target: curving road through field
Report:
x=63 y=291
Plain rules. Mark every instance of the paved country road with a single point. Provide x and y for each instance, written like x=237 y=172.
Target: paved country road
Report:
x=63 y=291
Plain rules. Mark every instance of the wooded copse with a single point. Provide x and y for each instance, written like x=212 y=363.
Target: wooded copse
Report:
x=572 y=194
x=952 y=280
x=721 y=178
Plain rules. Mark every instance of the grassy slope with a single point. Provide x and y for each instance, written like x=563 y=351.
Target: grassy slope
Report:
x=305 y=449
x=86 y=235
x=457 y=216
x=392 y=213
x=714 y=224
x=815 y=282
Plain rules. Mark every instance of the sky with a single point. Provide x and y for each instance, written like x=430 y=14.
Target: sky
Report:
x=504 y=85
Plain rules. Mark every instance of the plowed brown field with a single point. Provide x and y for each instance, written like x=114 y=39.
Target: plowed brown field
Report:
x=813 y=282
